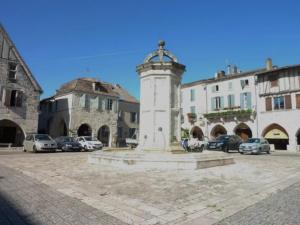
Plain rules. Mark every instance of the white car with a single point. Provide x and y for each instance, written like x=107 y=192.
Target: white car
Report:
x=89 y=143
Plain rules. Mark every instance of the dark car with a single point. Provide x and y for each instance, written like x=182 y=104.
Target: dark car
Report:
x=225 y=143
x=68 y=144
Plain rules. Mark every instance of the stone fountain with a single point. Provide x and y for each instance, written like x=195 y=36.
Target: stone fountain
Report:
x=160 y=122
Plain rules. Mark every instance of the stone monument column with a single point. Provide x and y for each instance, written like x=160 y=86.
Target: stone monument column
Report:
x=160 y=119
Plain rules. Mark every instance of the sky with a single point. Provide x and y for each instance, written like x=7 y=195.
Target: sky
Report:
x=62 y=40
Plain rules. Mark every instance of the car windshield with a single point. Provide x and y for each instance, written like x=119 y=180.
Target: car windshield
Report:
x=69 y=139
x=253 y=140
x=90 y=139
x=42 y=137
x=222 y=137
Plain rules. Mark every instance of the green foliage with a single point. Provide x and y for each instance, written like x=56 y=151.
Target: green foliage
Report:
x=185 y=133
x=229 y=114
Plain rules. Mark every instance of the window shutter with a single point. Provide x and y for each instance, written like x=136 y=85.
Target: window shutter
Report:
x=242 y=101
x=7 y=97
x=115 y=106
x=1 y=92
x=212 y=104
x=232 y=101
x=268 y=104
x=19 y=99
x=222 y=102
x=288 y=101
x=249 y=103
x=298 y=101
x=100 y=104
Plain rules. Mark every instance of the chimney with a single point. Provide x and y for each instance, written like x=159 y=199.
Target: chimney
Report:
x=235 y=70
x=269 y=65
x=220 y=74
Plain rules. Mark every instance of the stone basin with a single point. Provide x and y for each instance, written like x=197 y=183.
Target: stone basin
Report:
x=160 y=160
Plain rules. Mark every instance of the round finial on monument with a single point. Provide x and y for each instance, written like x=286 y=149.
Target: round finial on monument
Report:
x=161 y=43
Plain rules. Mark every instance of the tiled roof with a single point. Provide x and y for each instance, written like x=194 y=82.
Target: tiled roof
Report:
x=277 y=69
x=87 y=85
x=226 y=77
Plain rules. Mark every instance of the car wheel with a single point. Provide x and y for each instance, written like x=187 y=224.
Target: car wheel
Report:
x=242 y=153
x=85 y=148
x=34 y=149
x=268 y=152
x=201 y=148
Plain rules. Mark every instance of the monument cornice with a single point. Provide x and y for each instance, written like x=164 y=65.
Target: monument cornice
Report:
x=160 y=66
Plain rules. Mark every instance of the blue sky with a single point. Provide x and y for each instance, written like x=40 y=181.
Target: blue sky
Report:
x=61 y=40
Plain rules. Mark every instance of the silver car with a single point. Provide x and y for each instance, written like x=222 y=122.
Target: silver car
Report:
x=255 y=146
x=39 y=142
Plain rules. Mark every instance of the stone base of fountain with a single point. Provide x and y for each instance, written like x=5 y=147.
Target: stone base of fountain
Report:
x=160 y=160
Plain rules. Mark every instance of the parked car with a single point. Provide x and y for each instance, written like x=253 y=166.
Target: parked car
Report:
x=255 y=146
x=39 y=142
x=225 y=143
x=89 y=143
x=68 y=144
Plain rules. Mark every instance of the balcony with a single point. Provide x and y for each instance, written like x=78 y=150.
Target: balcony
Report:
x=229 y=114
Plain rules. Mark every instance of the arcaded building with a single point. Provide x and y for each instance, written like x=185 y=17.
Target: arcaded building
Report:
x=264 y=102
x=84 y=107
x=19 y=95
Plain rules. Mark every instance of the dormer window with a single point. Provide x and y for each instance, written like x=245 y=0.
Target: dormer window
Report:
x=12 y=71
x=99 y=87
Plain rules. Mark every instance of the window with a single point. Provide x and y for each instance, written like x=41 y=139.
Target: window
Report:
x=215 y=88
x=274 y=80
x=13 y=98
x=278 y=103
x=217 y=103
x=108 y=105
x=268 y=104
x=192 y=95
x=12 y=71
x=245 y=100
x=298 y=101
x=244 y=83
x=230 y=101
x=193 y=109
x=133 y=117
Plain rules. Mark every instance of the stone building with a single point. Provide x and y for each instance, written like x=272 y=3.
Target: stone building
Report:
x=19 y=95
x=259 y=103
x=128 y=121
x=83 y=107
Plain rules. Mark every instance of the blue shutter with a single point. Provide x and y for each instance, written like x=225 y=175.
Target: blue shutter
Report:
x=222 y=102
x=242 y=100
x=232 y=101
x=228 y=101
x=249 y=103
x=212 y=105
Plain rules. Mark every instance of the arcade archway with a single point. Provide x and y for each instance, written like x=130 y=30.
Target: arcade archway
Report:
x=103 y=135
x=217 y=131
x=196 y=132
x=277 y=136
x=84 y=130
x=11 y=133
x=243 y=131
x=298 y=137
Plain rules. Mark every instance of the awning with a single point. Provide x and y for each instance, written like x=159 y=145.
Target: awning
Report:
x=276 y=134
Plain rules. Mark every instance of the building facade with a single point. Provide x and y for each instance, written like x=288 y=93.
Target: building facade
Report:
x=249 y=104
x=83 y=107
x=19 y=95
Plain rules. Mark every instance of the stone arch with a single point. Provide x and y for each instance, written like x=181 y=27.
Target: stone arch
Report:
x=243 y=130
x=11 y=133
x=104 y=135
x=196 y=132
x=217 y=131
x=277 y=136
x=84 y=130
